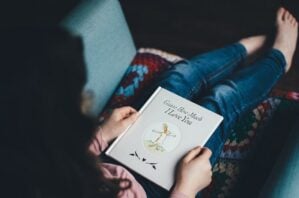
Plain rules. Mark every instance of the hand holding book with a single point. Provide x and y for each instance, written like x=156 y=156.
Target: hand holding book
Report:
x=118 y=121
x=194 y=171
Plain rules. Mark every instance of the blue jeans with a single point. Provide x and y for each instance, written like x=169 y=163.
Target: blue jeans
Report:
x=229 y=94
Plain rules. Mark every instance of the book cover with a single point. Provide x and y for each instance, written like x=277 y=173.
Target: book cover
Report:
x=167 y=128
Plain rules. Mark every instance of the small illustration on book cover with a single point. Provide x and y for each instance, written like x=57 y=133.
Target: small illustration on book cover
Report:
x=161 y=137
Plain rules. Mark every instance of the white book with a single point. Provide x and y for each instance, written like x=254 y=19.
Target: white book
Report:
x=167 y=128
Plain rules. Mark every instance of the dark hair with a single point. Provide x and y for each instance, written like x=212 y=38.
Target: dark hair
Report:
x=43 y=134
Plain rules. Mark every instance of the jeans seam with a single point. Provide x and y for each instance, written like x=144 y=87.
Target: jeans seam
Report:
x=263 y=96
x=211 y=76
x=219 y=71
x=224 y=68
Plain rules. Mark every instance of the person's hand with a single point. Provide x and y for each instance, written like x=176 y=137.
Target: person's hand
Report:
x=194 y=171
x=118 y=121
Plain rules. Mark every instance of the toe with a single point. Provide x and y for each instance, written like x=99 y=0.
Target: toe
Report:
x=295 y=21
x=288 y=16
x=280 y=13
x=292 y=17
x=292 y=20
x=285 y=14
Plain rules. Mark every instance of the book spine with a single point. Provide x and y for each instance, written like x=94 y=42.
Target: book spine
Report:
x=140 y=112
x=150 y=100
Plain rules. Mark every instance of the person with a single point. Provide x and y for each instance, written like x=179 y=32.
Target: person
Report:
x=51 y=149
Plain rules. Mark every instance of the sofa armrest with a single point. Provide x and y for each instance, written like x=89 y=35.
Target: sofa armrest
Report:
x=284 y=178
x=108 y=46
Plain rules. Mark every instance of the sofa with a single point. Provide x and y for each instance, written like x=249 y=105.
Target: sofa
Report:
x=108 y=46
x=113 y=61
x=284 y=178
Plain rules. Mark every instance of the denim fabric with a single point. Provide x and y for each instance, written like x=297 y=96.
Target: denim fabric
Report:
x=226 y=93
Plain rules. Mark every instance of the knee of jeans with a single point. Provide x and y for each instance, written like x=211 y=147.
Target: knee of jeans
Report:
x=225 y=100
x=226 y=94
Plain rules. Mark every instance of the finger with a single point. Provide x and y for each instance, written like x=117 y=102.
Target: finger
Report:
x=206 y=152
x=123 y=112
x=192 y=154
x=130 y=119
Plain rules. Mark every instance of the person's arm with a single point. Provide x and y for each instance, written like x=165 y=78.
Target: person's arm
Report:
x=193 y=174
x=178 y=194
x=98 y=144
x=118 y=121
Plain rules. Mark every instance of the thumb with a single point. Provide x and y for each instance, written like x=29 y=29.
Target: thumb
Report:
x=126 y=110
x=130 y=119
x=192 y=154
x=205 y=153
x=123 y=112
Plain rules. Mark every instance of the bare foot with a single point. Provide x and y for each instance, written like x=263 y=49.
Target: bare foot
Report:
x=287 y=32
x=253 y=43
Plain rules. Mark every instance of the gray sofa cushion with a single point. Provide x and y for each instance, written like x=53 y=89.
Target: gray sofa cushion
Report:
x=108 y=45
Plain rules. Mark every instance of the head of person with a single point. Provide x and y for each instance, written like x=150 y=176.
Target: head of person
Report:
x=43 y=134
